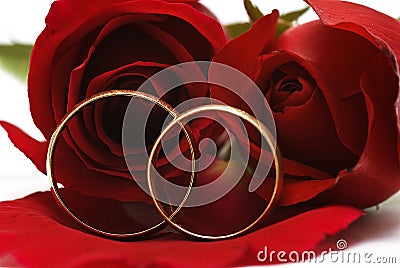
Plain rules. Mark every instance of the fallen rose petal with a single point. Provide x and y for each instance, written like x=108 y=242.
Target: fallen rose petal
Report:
x=33 y=149
x=37 y=151
x=35 y=223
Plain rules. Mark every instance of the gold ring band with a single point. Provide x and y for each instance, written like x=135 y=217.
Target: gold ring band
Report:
x=264 y=131
x=56 y=134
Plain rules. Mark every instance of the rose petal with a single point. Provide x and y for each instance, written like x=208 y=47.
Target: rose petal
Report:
x=35 y=150
x=377 y=27
x=70 y=171
x=94 y=184
x=298 y=169
x=249 y=45
x=77 y=87
x=377 y=174
x=307 y=134
x=88 y=137
x=136 y=71
x=297 y=190
x=106 y=186
x=34 y=234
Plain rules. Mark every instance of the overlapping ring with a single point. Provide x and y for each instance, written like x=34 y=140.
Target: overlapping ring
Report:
x=177 y=120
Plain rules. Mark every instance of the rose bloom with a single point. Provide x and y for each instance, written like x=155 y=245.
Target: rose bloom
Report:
x=333 y=88
x=92 y=46
x=332 y=85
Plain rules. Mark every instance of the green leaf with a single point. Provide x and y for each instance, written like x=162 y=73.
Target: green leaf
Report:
x=282 y=26
x=286 y=21
x=295 y=15
x=15 y=59
x=237 y=29
x=253 y=12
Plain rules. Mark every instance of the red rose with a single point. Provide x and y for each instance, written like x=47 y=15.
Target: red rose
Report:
x=93 y=46
x=333 y=87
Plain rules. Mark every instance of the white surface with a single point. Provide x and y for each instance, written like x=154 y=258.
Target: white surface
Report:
x=376 y=234
x=22 y=21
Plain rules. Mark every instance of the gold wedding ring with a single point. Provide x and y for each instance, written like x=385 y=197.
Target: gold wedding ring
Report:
x=56 y=134
x=264 y=131
x=178 y=119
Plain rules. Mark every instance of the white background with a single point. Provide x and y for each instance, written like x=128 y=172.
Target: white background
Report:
x=22 y=21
